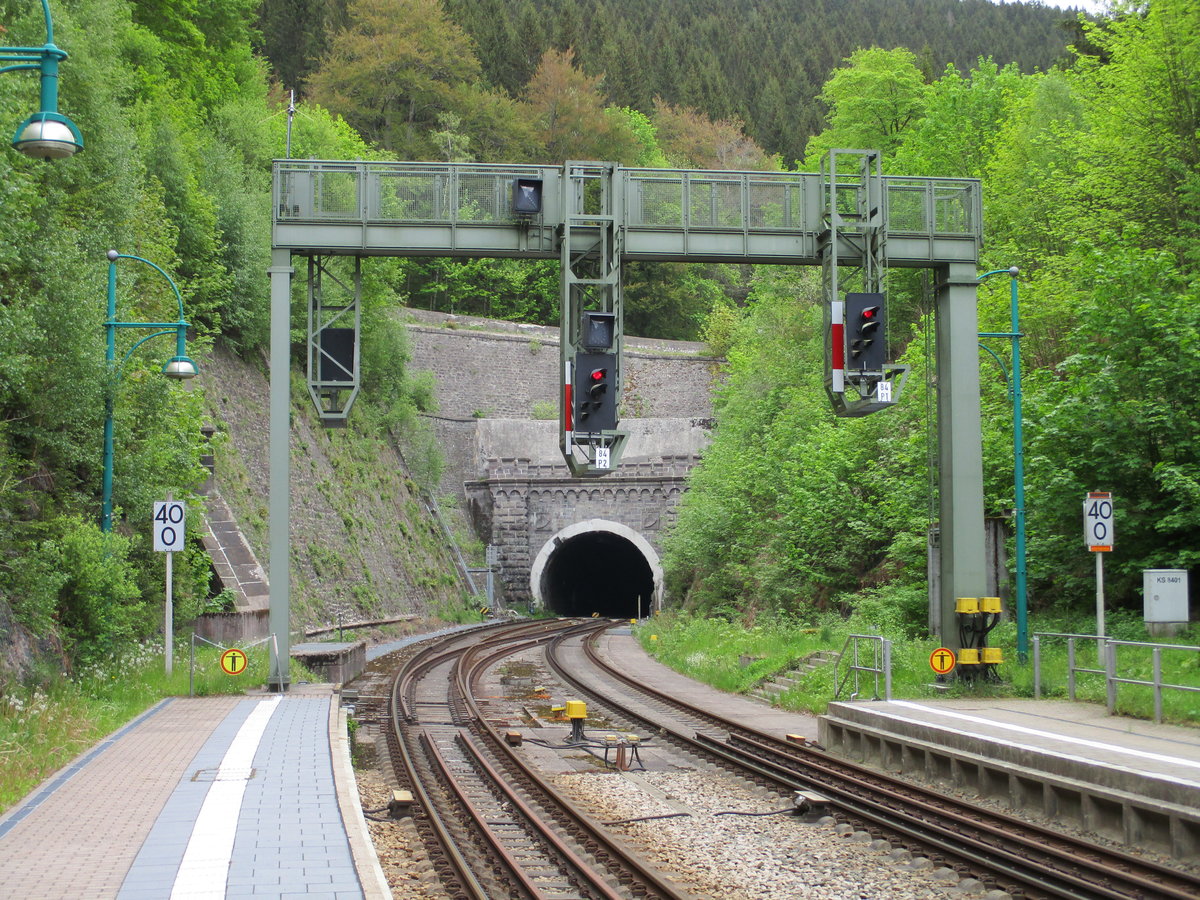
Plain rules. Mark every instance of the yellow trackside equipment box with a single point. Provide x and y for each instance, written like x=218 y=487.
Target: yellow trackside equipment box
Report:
x=968 y=605
x=576 y=709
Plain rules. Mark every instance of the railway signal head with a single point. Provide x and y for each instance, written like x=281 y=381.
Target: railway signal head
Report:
x=865 y=343
x=595 y=391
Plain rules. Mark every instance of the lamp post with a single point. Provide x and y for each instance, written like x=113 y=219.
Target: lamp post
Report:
x=178 y=367
x=1014 y=335
x=47 y=134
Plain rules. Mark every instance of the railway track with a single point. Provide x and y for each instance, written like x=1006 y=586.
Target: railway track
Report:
x=1022 y=858
x=495 y=826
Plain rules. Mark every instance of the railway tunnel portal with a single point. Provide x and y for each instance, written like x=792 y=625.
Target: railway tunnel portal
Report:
x=597 y=567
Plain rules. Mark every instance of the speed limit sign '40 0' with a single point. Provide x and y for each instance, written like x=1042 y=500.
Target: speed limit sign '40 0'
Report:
x=1098 y=521
x=168 y=526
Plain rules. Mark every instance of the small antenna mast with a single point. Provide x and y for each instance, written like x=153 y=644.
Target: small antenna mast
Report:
x=291 y=115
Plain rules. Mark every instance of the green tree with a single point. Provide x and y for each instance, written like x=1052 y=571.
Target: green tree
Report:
x=963 y=121
x=568 y=110
x=1143 y=108
x=872 y=101
x=394 y=69
x=1115 y=416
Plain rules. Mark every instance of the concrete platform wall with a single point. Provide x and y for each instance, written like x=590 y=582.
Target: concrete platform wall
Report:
x=1123 y=805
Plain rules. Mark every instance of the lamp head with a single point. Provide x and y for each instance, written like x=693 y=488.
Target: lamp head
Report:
x=180 y=368
x=48 y=135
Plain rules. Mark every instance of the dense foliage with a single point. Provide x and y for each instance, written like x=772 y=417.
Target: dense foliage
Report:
x=1091 y=187
x=179 y=132
x=680 y=83
x=760 y=62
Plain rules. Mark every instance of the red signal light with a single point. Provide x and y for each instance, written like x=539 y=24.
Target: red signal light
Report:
x=599 y=374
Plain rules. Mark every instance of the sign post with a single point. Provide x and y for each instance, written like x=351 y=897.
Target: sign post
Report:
x=168 y=538
x=1098 y=535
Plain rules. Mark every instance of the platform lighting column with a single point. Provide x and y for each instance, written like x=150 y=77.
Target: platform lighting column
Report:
x=47 y=134
x=179 y=367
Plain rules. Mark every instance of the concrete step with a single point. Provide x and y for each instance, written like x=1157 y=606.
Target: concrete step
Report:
x=771 y=688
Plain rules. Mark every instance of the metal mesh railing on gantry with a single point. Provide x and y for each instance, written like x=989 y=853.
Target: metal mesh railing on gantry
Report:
x=423 y=208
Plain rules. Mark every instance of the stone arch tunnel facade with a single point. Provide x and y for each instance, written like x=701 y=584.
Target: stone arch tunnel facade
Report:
x=577 y=547
x=597 y=567
x=573 y=546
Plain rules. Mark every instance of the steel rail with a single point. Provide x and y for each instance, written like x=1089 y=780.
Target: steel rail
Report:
x=1141 y=877
x=577 y=823
x=454 y=870
x=582 y=868
x=1025 y=851
x=469 y=663
x=513 y=867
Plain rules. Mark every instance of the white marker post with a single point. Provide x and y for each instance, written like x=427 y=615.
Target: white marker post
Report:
x=168 y=538
x=1098 y=534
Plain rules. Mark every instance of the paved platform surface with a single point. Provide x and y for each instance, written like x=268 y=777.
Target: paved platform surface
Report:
x=209 y=797
x=1065 y=738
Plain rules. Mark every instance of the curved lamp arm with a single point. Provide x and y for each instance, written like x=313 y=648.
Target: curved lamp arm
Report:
x=47 y=134
x=178 y=367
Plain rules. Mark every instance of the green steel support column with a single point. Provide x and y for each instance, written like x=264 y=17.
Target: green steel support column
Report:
x=960 y=445
x=279 y=566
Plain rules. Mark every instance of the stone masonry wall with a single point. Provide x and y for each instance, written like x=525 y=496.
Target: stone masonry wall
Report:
x=490 y=369
x=522 y=509
x=494 y=378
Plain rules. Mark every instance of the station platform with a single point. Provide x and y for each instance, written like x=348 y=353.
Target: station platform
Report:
x=201 y=798
x=1129 y=780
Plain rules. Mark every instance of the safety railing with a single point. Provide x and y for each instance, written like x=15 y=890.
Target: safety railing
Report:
x=238 y=665
x=1106 y=655
x=480 y=194
x=880 y=666
x=1073 y=667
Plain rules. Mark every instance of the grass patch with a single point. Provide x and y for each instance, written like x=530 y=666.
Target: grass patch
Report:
x=735 y=658
x=46 y=725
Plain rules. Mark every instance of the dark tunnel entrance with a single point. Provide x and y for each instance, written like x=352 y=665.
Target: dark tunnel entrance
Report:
x=597 y=572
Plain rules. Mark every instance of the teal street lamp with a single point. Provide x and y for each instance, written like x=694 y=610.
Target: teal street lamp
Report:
x=178 y=367
x=47 y=134
x=1018 y=461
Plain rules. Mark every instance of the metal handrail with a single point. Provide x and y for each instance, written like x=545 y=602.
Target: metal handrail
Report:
x=881 y=666
x=477 y=193
x=1112 y=679
x=1106 y=651
x=1072 y=668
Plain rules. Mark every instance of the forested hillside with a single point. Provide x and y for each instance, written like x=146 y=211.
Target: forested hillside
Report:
x=1091 y=183
x=761 y=62
x=1091 y=186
